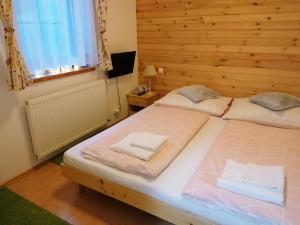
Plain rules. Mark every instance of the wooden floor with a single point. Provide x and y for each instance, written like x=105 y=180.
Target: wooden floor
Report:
x=47 y=188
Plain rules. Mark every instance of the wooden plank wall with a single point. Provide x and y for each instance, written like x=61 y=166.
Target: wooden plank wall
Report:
x=238 y=47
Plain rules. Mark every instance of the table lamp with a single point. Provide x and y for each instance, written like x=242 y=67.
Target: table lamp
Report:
x=149 y=72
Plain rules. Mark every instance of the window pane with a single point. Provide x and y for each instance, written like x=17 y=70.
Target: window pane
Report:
x=56 y=33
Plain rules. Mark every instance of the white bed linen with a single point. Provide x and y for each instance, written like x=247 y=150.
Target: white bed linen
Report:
x=166 y=187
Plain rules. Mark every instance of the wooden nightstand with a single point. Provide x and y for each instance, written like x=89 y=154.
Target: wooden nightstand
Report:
x=138 y=102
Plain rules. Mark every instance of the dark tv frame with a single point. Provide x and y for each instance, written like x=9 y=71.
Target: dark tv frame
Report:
x=118 y=68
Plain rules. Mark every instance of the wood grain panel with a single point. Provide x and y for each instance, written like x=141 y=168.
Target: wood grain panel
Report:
x=270 y=25
x=238 y=47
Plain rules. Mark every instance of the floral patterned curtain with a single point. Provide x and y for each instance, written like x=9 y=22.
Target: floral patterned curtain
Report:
x=20 y=76
x=103 y=48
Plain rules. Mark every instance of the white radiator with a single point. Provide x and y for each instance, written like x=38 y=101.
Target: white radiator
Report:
x=57 y=119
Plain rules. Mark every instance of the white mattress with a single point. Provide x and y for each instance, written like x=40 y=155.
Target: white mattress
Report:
x=168 y=185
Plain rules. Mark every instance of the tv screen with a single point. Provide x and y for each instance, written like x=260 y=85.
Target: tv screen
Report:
x=123 y=64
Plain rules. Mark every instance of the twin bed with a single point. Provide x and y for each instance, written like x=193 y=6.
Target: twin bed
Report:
x=173 y=192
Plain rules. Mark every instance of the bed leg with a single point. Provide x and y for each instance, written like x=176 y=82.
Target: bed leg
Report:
x=81 y=188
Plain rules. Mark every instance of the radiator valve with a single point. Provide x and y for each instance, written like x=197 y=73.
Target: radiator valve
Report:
x=117 y=110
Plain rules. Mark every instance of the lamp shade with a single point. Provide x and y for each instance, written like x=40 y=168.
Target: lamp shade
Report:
x=149 y=71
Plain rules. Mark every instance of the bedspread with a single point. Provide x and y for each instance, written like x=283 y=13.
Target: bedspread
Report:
x=179 y=125
x=246 y=142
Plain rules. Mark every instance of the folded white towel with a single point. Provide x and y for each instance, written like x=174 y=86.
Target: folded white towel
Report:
x=252 y=191
x=269 y=177
x=124 y=146
x=148 y=141
x=233 y=171
x=233 y=178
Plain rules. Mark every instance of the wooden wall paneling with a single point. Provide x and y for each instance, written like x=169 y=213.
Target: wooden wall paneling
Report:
x=222 y=18
x=219 y=6
x=239 y=47
x=270 y=25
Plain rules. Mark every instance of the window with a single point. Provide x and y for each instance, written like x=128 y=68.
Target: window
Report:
x=56 y=35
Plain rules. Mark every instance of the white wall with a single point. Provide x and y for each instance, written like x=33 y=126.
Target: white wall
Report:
x=16 y=154
x=122 y=32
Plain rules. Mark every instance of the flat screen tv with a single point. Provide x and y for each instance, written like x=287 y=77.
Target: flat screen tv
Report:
x=123 y=64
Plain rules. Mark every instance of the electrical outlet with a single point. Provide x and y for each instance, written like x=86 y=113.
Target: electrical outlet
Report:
x=161 y=70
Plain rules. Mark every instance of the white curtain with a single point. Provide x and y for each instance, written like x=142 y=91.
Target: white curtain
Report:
x=56 y=33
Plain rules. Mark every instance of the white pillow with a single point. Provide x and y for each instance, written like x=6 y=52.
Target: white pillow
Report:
x=215 y=107
x=243 y=109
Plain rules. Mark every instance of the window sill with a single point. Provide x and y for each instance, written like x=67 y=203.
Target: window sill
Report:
x=62 y=75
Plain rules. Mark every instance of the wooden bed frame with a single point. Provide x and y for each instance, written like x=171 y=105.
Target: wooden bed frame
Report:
x=133 y=198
